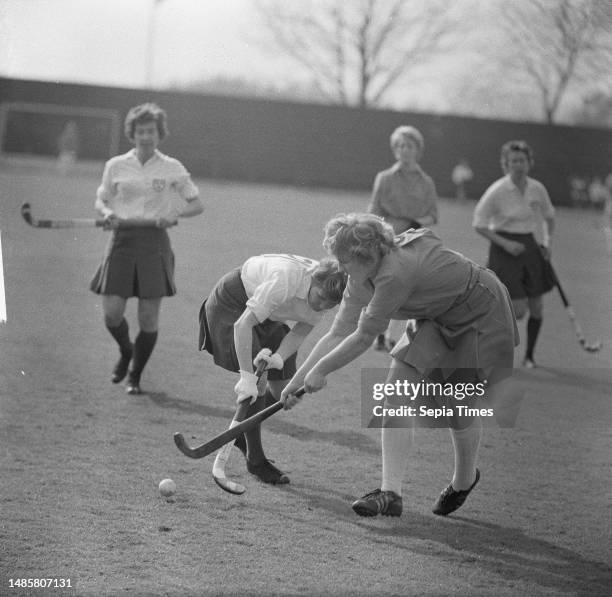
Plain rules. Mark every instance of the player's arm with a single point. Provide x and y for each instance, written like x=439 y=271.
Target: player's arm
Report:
x=243 y=339
x=549 y=230
x=342 y=354
x=243 y=344
x=484 y=211
x=294 y=339
x=431 y=217
x=510 y=246
x=548 y=223
x=375 y=207
x=193 y=207
x=104 y=194
x=324 y=346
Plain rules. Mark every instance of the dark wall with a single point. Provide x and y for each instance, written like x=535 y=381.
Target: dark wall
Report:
x=331 y=146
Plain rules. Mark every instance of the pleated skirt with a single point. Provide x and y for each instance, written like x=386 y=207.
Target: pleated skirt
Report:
x=137 y=262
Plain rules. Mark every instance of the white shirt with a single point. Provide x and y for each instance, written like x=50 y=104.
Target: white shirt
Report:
x=158 y=188
x=277 y=288
x=503 y=208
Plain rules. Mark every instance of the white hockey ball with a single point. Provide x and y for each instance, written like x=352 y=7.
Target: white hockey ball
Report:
x=167 y=487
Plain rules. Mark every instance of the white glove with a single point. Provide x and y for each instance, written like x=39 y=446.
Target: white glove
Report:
x=246 y=388
x=273 y=361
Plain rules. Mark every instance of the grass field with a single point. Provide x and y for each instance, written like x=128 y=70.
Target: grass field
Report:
x=81 y=460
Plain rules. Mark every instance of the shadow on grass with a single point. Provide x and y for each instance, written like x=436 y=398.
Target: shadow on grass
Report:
x=504 y=551
x=349 y=439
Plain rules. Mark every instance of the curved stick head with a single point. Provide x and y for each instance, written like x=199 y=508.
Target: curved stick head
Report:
x=229 y=486
x=26 y=213
x=593 y=347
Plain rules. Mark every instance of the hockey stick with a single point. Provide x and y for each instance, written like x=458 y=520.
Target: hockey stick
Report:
x=589 y=347
x=218 y=470
x=26 y=213
x=230 y=434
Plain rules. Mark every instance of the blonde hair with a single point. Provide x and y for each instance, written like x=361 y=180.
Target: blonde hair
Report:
x=330 y=279
x=411 y=133
x=360 y=236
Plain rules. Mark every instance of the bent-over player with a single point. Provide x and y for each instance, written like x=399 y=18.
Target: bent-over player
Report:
x=466 y=333
x=245 y=320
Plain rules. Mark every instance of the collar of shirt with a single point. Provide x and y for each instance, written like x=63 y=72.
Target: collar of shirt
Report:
x=509 y=183
x=133 y=156
x=398 y=168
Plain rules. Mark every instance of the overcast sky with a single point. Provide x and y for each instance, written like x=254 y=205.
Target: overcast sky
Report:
x=106 y=41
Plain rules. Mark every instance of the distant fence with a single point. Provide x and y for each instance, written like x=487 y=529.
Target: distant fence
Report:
x=327 y=146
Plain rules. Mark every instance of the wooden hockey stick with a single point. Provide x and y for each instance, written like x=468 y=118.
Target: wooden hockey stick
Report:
x=26 y=213
x=588 y=346
x=230 y=434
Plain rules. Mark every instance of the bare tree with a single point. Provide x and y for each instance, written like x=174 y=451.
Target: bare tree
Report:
x=555 y=45
x=356 y=51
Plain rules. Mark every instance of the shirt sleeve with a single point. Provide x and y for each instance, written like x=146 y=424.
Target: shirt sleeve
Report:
x=391 y=293
x=548 y=211
x=104 y=192
x=184 y=184
x=484 y=210
x=431 y=199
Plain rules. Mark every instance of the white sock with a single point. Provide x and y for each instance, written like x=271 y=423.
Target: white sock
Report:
x=466 y=443
x=395 y=448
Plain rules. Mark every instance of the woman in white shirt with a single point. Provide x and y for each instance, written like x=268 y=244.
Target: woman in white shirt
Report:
x=509 y=215
x=245 y=319
x=143 y=192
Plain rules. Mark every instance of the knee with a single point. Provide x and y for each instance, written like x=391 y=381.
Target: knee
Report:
x=148 y=324
x=148 y=318
x=520 y=309
x=113 y=317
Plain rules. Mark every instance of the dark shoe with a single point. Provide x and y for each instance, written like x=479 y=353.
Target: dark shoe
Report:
x=379 y=343
x=240 y=443
x=387 y=503
x=133 y=385
x=268 y=473
x=450 y=500
x=121 y=368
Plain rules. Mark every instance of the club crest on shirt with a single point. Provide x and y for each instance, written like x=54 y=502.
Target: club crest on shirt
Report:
x=159 y=184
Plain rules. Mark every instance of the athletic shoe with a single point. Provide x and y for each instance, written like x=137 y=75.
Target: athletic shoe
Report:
x=121 y=368
x=450 y=500
x=529 y=363
x=265 y=471
x=387 y=503
x=133 y=385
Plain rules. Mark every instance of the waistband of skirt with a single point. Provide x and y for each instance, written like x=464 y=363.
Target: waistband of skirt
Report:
x=519 y=236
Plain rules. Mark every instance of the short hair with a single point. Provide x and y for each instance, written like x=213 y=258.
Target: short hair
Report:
x=330 y=279
x=511 y=146
x=362 y=236
x=412 y=133
x=143 y=114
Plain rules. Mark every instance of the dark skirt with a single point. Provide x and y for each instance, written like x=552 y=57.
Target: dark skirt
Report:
x=218 y=314
x=137 y=262
x=524 y=275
